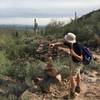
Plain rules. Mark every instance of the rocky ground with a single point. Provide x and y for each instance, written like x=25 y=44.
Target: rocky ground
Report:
x=90 y=89
x=10 y=89
x=90 y=86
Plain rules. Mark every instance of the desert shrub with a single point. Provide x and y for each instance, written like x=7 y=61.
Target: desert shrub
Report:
x=24 y=70
x=17 y=56
x=63 y=66
x=4 y=62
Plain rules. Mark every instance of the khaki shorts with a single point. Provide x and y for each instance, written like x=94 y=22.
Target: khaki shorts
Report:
x=76 y=68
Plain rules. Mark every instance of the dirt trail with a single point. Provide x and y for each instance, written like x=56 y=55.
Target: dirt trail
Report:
x=96 y=56
x=90 y=89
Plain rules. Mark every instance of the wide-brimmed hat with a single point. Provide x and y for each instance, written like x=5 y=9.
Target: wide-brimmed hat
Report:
x=70 y=38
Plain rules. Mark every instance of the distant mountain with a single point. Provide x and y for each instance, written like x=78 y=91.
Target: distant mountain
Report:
x=18 y=27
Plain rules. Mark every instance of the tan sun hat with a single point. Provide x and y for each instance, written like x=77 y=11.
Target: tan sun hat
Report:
x=70 y=38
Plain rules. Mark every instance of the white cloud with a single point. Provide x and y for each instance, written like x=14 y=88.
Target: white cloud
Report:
x=46 y=8
x=26 y=21
x=26 y=8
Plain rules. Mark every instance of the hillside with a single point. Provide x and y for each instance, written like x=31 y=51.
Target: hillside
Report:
x=86 y=26
x=24 y=53
x=91 y=19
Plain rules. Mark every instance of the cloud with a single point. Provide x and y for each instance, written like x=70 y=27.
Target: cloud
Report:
x=23 y=11
x=46 y=8
x=26 y=21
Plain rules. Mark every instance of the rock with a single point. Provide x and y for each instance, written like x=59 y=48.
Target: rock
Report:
x=27 y=95
x=2 y=91
x=95 y=58
x=86 y=72
x=90 y=94
x=91 y=75
x=98 y=81
x=98 y=74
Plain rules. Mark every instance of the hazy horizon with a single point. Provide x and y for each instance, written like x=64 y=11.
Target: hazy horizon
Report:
x=30 y=21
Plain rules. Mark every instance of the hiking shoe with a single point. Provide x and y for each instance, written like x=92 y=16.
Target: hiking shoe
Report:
x=77 y=89
x=72 y=96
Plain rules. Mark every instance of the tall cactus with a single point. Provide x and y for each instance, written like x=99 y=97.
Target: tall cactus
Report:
x=35 y=26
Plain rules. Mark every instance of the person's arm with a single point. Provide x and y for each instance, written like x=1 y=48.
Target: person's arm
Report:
x=66 y=50
x=71 y=52
x=80 y=58
x=56 y=44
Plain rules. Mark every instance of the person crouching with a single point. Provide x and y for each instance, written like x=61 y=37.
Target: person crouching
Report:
x=51 y=75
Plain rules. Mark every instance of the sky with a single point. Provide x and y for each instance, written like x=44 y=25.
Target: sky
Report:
x=23 y=11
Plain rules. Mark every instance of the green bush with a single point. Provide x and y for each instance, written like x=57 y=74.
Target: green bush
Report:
x=62 y=66
x=17 y=56
x=24 y=70
x=4 y=62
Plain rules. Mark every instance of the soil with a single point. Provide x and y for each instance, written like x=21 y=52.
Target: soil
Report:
x=90 y=88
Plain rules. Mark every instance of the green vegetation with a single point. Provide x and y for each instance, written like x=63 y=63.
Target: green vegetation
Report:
x=19 y=59
x=87 y=28
x=17 y=55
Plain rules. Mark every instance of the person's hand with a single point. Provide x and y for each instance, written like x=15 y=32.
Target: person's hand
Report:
x=55 y=44
x=52 y=45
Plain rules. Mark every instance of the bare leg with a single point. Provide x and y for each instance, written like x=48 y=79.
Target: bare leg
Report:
x=73 y=83
x=78 y=79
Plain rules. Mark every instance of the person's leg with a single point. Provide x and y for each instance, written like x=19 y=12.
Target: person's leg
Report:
x=72 y=87
x=78 y=82
x=72 y=83
x=78 y=79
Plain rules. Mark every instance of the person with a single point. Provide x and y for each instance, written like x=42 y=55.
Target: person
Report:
x=75 y=52
x=51 y=75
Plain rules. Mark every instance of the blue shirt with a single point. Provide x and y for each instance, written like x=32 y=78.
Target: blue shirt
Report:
x=78 y=50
